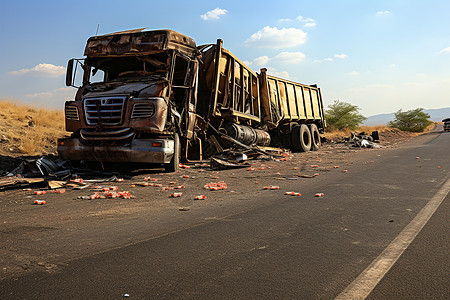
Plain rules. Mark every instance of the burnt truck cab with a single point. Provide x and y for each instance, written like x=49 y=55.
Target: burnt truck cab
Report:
x=137 y=101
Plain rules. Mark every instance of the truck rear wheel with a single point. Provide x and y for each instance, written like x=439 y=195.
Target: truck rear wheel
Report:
x=301 y=138
x=175 y=161
x=315 y=137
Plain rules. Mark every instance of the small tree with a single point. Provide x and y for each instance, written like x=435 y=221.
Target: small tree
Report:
x=340 y=115
x=414 y=120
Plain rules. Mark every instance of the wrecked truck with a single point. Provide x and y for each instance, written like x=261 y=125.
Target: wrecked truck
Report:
x=142 y=104
x=257 y=109
x=157 y=97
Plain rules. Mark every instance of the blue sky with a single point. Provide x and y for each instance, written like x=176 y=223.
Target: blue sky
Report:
x=379 y=55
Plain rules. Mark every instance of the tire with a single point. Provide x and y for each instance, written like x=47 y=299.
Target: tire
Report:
x=295 y=138
x=286 y=141
x=315 y=137
x=175 y=161
x=301 y=138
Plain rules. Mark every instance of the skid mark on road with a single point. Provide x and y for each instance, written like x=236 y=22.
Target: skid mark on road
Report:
x=361 y=287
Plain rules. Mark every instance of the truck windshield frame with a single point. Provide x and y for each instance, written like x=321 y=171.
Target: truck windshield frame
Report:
x=128 y=68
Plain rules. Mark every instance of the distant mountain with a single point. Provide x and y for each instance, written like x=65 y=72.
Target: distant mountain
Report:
x=435 y=115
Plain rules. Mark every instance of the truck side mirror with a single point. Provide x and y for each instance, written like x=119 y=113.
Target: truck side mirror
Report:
x=69 y=73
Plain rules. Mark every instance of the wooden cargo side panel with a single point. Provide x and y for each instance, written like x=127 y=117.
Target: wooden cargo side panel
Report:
x=300 y=102
x=275 y=108
x=315 y=104
x=233 y=86
x=308 y=103
x=283 y=100
x=292 y=101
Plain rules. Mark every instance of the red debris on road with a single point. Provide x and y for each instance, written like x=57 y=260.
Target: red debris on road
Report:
x=272 y=187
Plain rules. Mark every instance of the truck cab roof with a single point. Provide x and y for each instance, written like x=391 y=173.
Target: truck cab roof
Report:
x=139 y=42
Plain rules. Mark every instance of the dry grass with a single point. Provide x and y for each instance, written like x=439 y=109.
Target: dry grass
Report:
x=26 y=130
x=336 y=134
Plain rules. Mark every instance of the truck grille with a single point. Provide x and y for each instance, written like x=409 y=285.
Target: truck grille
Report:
x=119 y=134
x=71 y=112
x=104 y=110
x=143 y=110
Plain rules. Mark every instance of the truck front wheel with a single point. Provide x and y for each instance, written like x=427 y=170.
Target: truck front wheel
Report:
x=175 y=161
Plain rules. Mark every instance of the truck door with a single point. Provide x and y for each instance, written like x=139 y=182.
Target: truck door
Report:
x=183 y=92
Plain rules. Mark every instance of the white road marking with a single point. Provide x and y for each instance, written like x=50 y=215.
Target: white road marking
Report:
x=361 y=287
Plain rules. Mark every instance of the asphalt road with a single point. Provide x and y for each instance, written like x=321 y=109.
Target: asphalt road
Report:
x=275 y=246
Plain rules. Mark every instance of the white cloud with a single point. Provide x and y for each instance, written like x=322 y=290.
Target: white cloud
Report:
x=44 y=69
x=260 y=61
x=274 y=72
x=341 y=56
x=214 y=14
x=354 y=73
x=309 y=22
x=289 y=57
x=272 y=37
x=303 y=19
x=285 y=20
x=280 y=58
x=382 y=13
x=445 y=51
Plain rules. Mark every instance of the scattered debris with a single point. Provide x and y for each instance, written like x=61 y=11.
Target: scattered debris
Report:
x=216 y=186
x=271 y=187
x=362 y=140
x=56 y=184
x=221 y=164
x=309 y=176
x=108 y=194
x=15 y=182
x=293 y=194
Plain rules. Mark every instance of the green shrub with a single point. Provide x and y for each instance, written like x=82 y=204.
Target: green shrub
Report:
x=414 y=120
x=343 y=115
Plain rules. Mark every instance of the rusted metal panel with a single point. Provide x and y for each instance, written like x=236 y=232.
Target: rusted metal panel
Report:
x=138 y=150
x=139 y=42
x=232 y=86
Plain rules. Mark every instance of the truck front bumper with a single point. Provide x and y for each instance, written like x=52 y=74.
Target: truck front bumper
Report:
x=139 y=150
